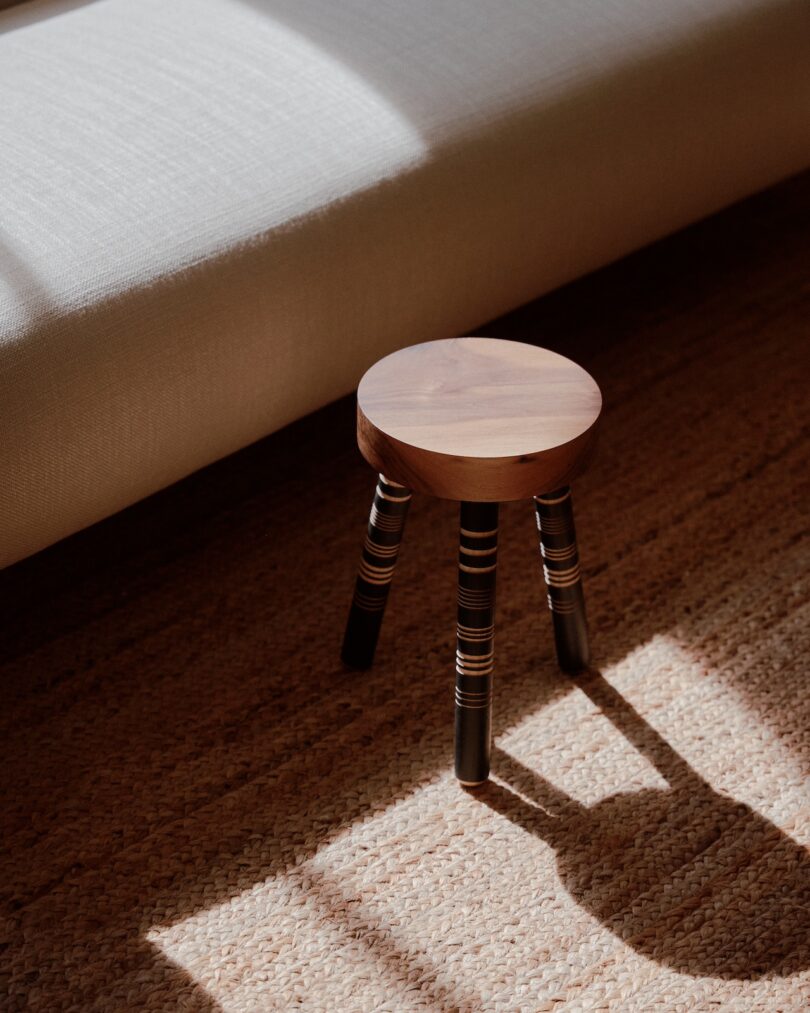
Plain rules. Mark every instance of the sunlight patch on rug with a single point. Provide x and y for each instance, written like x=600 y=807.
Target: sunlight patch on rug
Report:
x=631 y=831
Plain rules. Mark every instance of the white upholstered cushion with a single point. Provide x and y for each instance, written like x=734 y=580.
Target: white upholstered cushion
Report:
x=215 y=214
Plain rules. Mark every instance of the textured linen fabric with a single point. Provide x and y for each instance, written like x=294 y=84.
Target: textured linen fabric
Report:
x=215 y=214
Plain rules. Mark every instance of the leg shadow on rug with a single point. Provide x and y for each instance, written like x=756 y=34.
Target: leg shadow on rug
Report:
x=686 y=876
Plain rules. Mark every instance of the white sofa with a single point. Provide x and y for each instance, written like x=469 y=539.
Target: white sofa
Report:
x=215 y=214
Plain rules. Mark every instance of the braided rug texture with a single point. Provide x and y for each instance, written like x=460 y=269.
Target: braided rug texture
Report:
x=203 y=811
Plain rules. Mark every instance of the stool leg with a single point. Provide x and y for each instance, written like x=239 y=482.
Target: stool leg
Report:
x=558 y=545
x=380 y=549
x=477 y=559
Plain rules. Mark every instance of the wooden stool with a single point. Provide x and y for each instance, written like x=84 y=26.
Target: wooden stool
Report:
x=482 y=421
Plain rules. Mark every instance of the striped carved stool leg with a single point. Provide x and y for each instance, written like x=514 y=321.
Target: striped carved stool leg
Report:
x=558 y=545
x=380 y=549
x=477 y=559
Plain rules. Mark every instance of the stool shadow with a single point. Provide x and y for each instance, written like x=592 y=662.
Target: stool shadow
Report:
x=686 y=876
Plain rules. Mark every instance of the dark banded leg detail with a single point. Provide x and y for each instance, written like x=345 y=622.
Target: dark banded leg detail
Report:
x=477 y=559
x=380 y=549
x=558 y=545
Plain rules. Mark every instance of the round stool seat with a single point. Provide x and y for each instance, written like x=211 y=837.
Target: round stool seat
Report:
x=477 y=419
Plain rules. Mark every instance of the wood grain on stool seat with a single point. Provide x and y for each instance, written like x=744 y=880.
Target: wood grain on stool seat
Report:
x=478 y=419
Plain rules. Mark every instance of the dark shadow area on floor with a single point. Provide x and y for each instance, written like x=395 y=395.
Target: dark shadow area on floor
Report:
x=176 y=716
x=655 y=867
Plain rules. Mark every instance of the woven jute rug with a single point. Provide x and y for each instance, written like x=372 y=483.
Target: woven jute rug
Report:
x=204 y=811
